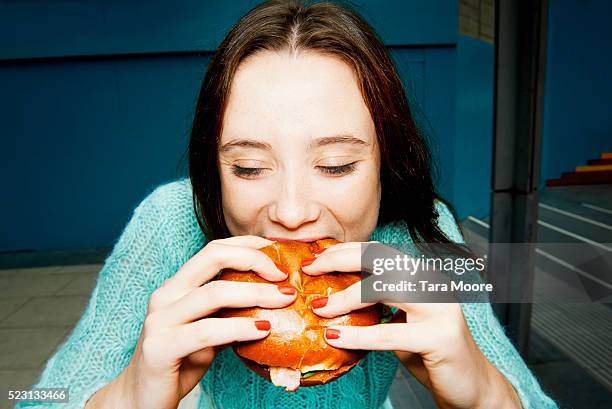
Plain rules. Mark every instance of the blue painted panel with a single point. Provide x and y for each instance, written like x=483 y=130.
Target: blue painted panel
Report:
x=410 y=65
x=428 y=75
x=83 y=141
x=412 y=22
x=439 y=106
x=474 y=137
x=31 y=28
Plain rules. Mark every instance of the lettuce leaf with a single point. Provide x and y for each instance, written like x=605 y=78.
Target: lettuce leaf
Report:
x=309 y=374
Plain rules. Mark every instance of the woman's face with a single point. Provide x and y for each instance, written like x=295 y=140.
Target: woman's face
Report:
x=298 y=157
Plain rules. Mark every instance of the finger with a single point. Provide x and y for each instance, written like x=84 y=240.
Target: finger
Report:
x=338 y=246
x=346 y=260
x=202 y=267
x=208 y=332
x=193 y=367
x=414 y=364
x=421 y=311
x=411 y=337
x=248 y=241
x=345 y=245
x=219 y=294
x=340 y=302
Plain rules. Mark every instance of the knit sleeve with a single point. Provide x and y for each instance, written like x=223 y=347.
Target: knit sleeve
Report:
x=491 y=338
x=101 y=344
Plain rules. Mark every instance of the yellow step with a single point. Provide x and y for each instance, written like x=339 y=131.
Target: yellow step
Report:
x=593 y=168
x=606 y=155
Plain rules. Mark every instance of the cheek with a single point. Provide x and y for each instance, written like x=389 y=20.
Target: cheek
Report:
x=354 y=199
x=241 y=202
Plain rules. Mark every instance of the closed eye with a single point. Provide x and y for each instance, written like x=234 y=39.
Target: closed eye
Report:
x=328 y=170
x=338 y=170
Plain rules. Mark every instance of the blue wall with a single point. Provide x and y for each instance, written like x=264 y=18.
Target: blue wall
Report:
x=84 y=140
x=577 y=114
x=98 y=97
x=578 y=90
x=97 y=100
x=474 y=137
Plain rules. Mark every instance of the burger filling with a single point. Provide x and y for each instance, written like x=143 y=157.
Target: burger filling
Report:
x=310 y=373
x=285 y=377
x=289 y=378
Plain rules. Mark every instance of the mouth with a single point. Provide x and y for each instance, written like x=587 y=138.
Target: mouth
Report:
x=303 y=240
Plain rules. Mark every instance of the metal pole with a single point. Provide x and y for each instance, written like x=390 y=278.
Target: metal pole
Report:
x=520 y=57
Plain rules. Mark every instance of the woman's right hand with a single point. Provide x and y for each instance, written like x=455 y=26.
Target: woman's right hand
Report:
x=178 y=342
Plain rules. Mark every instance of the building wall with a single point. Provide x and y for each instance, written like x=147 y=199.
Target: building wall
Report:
x=97 y=100
x=98 y=97
x=577 y=120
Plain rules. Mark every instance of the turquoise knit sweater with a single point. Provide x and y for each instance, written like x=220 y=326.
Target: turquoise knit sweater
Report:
x=160 y=237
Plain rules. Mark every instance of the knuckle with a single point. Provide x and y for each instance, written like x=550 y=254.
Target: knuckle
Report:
x=235 y=331
x=221 y=293
x=151 y=323
x=215 y=246
x=208 y=249
x=213 y=291
x=203 y=337
x=213 y=252
x=451 y=333
x=257 y=259
x=214 y=243
x=212 y=286
x=149 y=346
x=385 y=338
x=210 y=329
x=267 y=294
x=157 y=298
x=340 y=301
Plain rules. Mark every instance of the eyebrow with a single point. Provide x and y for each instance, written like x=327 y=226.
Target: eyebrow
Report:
x=317 y=143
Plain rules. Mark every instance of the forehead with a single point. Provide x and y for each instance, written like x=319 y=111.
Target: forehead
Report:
x=304 y=95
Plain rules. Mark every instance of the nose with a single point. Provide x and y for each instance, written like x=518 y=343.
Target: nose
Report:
x=294 y=204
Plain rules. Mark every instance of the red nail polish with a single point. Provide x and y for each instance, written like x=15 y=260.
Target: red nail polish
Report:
x=282 y=268
x=263 y=325
x=331 y=333
x=287 y=289
x=319 y=302
x=308 y=261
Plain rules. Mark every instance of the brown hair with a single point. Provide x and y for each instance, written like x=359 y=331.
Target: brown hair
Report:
x=407 y=188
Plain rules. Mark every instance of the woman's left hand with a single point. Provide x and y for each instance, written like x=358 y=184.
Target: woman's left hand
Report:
x=433 y=341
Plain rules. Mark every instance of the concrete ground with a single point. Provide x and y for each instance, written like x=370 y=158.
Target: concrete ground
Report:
x=39 y=306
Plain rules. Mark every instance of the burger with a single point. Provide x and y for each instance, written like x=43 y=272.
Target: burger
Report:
x=295 y=352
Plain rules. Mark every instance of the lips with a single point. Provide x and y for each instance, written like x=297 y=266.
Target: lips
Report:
x=305 y=240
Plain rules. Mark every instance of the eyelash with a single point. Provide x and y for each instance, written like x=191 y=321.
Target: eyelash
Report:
x=329 y=170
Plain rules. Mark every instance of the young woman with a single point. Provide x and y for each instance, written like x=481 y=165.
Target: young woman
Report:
x=302 y=131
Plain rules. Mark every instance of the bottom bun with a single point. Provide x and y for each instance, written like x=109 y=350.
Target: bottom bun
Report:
x=316 y=379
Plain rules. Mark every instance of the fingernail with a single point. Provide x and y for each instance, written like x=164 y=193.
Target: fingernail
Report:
x=282 y=268
x=319 y=302
x=331 y=333
x=287 y=289
x=308 y=261
x=263 y=325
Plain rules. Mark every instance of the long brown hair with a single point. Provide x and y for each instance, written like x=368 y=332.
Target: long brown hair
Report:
x=408 y=191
